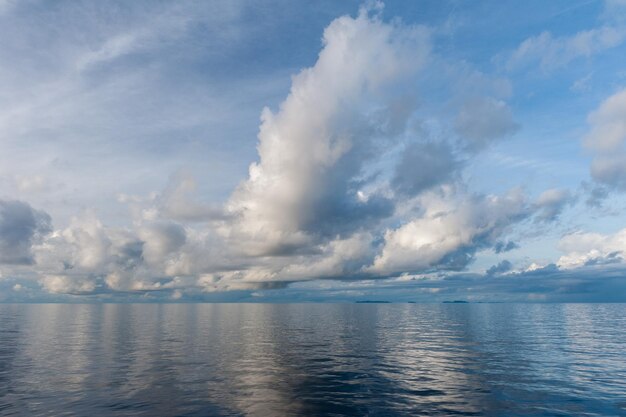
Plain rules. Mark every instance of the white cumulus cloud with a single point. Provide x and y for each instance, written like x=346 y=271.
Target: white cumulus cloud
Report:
x=607 y=140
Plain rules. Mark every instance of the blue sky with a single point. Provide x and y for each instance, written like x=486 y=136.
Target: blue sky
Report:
x=312 y=151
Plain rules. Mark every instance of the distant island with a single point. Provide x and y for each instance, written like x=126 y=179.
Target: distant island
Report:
x=456 y=302
x=387 y=302
x=372 y=302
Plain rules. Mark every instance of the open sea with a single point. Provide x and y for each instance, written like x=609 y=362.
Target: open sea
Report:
x=313 y=359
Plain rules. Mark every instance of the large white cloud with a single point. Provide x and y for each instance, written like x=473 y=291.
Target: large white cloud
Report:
x=338 y=116
x=583 y=249
x=64 y=284
x=448 y=234
x=353 y=180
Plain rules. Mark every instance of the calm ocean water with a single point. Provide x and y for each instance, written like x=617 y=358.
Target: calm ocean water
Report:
x=313 y=359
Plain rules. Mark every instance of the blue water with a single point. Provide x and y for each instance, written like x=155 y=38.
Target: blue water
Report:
x=313 y=359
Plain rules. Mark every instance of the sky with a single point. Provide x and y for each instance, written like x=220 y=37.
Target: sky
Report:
x=295 y=151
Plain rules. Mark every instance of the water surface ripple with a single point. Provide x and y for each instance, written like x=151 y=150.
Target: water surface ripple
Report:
x=313 y=359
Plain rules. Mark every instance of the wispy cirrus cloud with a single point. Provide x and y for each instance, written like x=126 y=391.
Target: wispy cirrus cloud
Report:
x=551 y=52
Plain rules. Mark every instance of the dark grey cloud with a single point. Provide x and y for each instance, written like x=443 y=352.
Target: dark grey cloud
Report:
x=594 y=283
x=595 y=194
x=424 y=165
x=483 y=120
x=20 y=227
x=129 y=255
x=503 y=266
x=501 y=247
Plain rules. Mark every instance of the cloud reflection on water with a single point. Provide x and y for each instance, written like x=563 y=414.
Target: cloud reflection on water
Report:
x=316 y=359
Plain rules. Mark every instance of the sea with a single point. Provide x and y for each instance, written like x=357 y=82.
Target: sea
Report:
x=313 y=359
